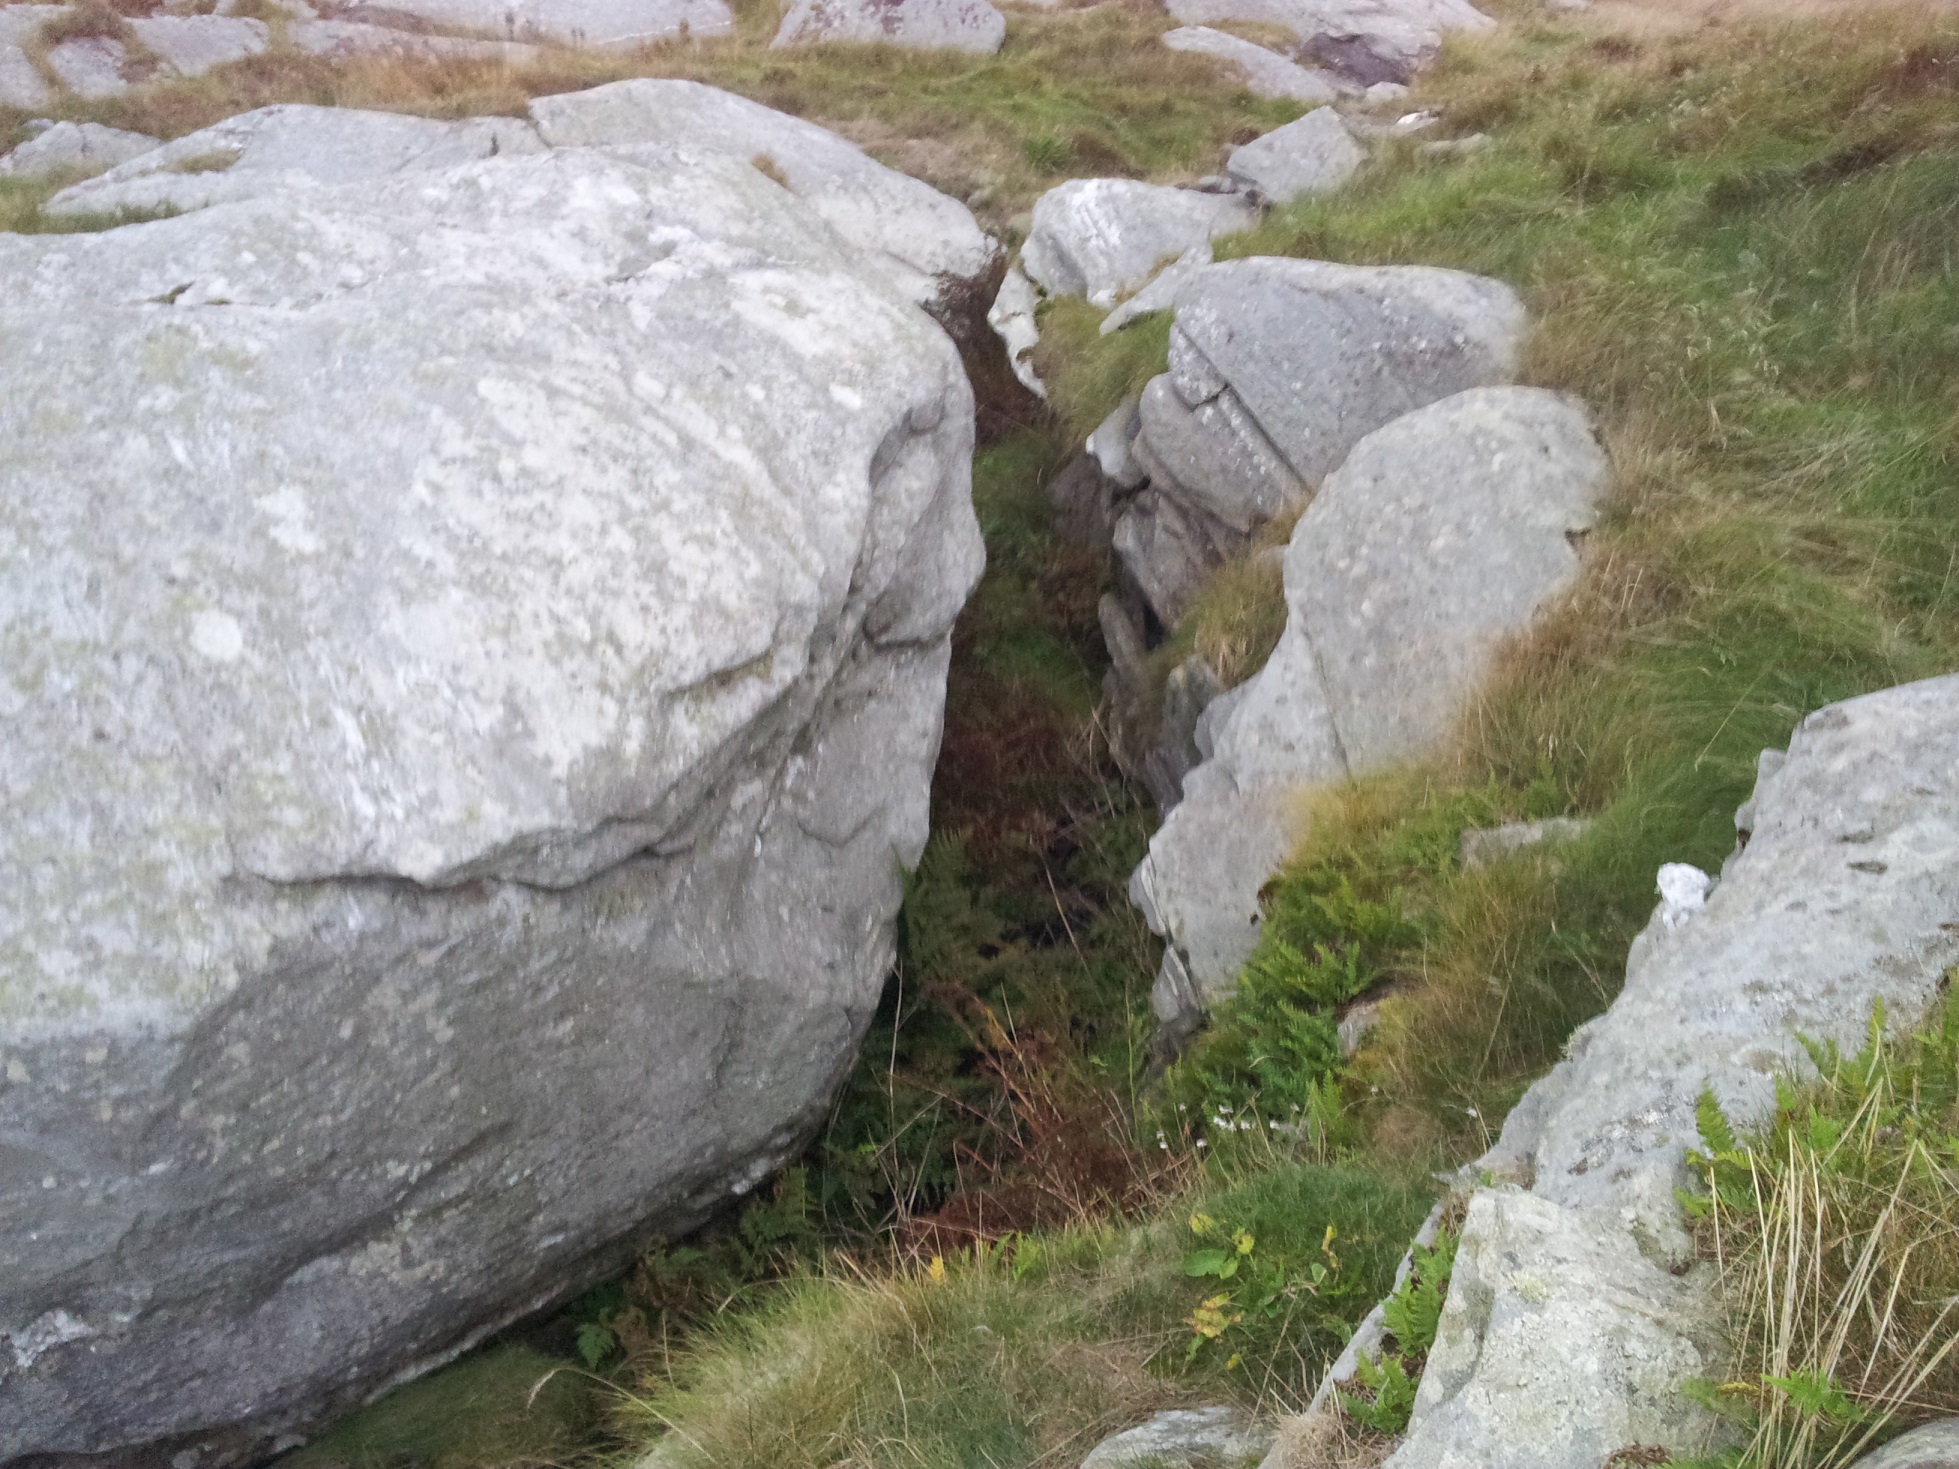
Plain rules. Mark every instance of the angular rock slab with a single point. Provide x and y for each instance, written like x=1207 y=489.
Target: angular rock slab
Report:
x=1098 y=238
x=601 y=25
x=21 y=83
x=341 y=39
x=1314 y=154
x=929 y=245
x=476 y=649
x=90 y=66
x=1266 y=73
x=1841 y=897
x=191 y=45
x=292 y=147
x=1365 y=41
x=1186 y=1438
x=74 y=148
x=917 y=25
x=1933 y=1446
x=1443 y=534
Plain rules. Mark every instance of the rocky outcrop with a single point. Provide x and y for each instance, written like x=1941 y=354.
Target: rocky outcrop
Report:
x=1277 y=369
x=1266 y=73
x=919 y=25
x=1576 y=1314
x=476 y=645
x=1311 y=155
x=74 y=149
x=1443 y=534
x=1102 y=238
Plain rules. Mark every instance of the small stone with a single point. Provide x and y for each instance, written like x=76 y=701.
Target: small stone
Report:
x=1193 y=1438
x=1483 y=845
x=1311 y=155
x=75 y=149
x=1266 y=73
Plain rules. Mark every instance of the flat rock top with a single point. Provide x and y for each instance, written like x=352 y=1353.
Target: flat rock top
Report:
x=591 y=449
x=955 y=25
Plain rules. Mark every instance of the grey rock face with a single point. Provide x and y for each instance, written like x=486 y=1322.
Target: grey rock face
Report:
x=74 y=148
x=1934 y=1446
x=341 y=39
x=605 y=25
x=1266 y=73
x=1443 y=534
x=925 y=242
x=1365 y=41
x=458 y=759
x=290 y=148
x=1492 y=844
x=90 y=66
x=21 y=84
x=191 y=45
x=922 y=25
x=1098 y=238
x=1190 y=1438
x=1277 y=369
x=1310 y=155
x=1841 y=897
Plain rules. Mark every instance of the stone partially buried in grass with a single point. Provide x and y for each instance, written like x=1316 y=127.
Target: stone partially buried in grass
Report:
x=1266 y=73
x=1099 y=238
x=21 y=84
x=920 y=25
x=606 y=25
x=1186 y=1438
x=74 y=148
x=1311 y=155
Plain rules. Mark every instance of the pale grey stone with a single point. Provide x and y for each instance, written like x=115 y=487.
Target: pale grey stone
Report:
x=1166 y=545
x=1369 y=41
x=21 y=84
x=1013 y=319
x=1310 y=155
x=1113 y=444
x=1188 y=1438
x=1453 y=147
x=1384 y=92
x=919 y=25
x=74 y=148
x=1266 y=73
x=290 y=148
x=1933 y=1446
x=90 y=66
x=341 y=39
x=1483 y=845
x=1560 y=1344
x=191 y=45
x=1099 y=238
x=1162 y=293
x=1567 y=1333
x=475 y=649
x=605 y=25
x=1444 y=533
x=928 y=243
x=1189 y=690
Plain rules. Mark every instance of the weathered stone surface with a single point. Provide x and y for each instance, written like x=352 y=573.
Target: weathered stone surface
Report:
x=922 y=25
x=74 y=148
x=1365 y=41
x=1934 y=1446
x=475 y=655
x=608 y=25
x=1266 y=73
x=1309 y=155
x=90 y=66
x=21 y=84
x=191 y=45
x=1012 y=317
x=1101 y=237
x=1443 y=533
x=1840 y=898
x=1484 y=845
x=1163 y=292
x=291 y=148
x=1114 y=440
x=341 y=39
x=1190 y=1438
x=927 y=243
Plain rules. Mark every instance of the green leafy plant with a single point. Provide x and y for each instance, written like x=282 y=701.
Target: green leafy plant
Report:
x=1385 y=1394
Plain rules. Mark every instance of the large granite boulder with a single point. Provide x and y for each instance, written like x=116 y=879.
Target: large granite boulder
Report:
x=928 y=244
x=1277 y=369
x=476 y=645
x=73 y=149
x=1442 y=535
x=1551 y=1356
x=918 y=25
x=1101 y=238
x=1265 y=72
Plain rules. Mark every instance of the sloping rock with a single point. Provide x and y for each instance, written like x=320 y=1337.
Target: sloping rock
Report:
x=340 y=39
x=1443 y=534
x=1364 y=41
x=292 y=147
x=1266 y=73
x=1841 y=897
x=476 y=649
x=191 y=45
x=74 y=148
x=1099 y=238
x=919 y=25
x=1310 y=155
x=927 y=243
x=1934 y=1446
x=1188 y=1438
x=90 y=66
x=1012 y=317
x=603 y=25
x=21 y=83
x=1277 y=368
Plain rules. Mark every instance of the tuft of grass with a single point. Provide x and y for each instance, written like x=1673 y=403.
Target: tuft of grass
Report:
x=1836 y=1231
